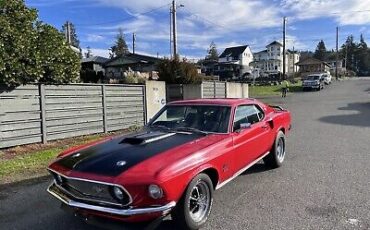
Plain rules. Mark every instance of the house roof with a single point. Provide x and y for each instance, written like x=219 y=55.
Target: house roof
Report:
x=95 y=59
x=274 y=43
x=263 y=51
x=311 y=61
x=233 y=51
x=130 y=59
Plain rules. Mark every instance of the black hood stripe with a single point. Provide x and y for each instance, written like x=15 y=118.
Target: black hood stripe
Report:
x=103 y=158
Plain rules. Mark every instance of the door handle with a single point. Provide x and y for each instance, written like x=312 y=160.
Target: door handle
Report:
x=265 y=126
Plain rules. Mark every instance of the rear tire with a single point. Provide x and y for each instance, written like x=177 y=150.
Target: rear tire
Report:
x=194 y=208
x=277 y=153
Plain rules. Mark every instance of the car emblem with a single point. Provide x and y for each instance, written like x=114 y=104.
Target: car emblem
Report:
x=76 y=155
x=121 y=163
x=98 y=189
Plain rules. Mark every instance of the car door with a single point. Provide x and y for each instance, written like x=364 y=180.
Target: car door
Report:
x=250 y=135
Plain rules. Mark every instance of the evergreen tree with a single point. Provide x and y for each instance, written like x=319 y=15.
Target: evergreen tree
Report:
x=349 y=51
x=362 y=53
x=212 y=53
x=120 y=48
x=74 y=38
x=320 y=52
x=88 y=53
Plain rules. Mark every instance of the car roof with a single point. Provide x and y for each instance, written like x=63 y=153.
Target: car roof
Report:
x=216 y=101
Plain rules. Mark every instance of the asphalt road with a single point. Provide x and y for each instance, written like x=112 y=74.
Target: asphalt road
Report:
x=324 y=183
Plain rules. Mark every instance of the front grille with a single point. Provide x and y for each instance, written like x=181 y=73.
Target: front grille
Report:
x=91 y=191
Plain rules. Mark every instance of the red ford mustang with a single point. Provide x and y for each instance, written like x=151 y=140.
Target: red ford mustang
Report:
x=174 y=164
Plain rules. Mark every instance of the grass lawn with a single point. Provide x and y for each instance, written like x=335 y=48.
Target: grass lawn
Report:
x=30 y=161
x=273 y=90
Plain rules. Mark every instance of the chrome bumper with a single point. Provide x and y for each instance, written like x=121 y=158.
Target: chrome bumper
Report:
x=53 y=190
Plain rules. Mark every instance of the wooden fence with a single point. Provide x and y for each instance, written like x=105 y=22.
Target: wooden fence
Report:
x=40 y=113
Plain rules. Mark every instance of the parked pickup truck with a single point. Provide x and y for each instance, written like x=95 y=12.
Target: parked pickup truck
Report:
x=314 y=81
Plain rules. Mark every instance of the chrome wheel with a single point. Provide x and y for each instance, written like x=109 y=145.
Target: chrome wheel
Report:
x=199 y=201
x=280 y=149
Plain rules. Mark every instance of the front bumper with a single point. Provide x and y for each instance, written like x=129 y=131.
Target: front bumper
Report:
x=56 y=192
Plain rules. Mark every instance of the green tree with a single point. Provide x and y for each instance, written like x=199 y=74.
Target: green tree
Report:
x=363 y=64
x=120 y=48
x=349 y=51
x=19 y=58
x=212 y=53
x=320 y=52
x=88 y=53
x=31 y=51
x=74 y=38
x=178 y=72
x=62 y=65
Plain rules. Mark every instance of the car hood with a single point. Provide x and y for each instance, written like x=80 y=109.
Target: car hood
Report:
x=119 y=154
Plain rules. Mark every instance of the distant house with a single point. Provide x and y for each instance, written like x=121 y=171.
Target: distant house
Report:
x=270 y=61
x=144 y=65
x=95 y=63
x=234 y=62
x=312 y=65
x=333 y=63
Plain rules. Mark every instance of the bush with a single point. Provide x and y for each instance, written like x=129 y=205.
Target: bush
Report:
x=178 y=72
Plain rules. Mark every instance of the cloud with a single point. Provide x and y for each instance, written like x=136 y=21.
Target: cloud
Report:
x=344 y=12
x=232 y=14
x=94 y=38
x=98 y=52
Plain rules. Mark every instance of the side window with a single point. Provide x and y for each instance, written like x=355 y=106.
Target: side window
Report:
x=247 y=114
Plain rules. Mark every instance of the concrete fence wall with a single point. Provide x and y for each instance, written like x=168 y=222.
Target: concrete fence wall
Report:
x=208 y=89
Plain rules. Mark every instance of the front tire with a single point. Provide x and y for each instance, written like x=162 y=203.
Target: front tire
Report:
x=277 y=154
x=193 y=209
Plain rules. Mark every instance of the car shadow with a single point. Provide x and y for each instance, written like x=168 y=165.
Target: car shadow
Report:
x=257 y=168
x=361 y=118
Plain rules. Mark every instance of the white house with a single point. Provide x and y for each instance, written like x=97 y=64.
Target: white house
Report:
x=240 y=55
x=237 y=60
x=271 y=59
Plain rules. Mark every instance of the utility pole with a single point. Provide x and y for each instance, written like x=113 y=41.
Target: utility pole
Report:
x=174 y=28
x=284 y=52
x=133 y=42
x=337 y=55
x=171 y=32
x=293 y=63
x=68 y=33
x=346 y=59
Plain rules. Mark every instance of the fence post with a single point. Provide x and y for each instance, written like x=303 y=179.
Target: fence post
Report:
x=145 y=109
x=225 y=89
x=104 y=103
x=43 y=113
x=214 y=89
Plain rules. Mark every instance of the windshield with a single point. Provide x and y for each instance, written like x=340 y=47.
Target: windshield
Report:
x=204 y=118
x=313 y=78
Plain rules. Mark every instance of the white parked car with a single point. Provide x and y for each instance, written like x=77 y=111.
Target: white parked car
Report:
x=327 y=78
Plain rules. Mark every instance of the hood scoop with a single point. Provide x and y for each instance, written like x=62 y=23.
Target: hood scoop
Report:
x=146 y=138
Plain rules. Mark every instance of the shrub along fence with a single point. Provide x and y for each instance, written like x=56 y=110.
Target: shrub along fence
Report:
x=40 y=113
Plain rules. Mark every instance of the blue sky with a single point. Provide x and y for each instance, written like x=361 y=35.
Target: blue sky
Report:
x=226 y=22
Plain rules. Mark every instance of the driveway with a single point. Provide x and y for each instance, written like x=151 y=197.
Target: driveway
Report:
x=324 y=183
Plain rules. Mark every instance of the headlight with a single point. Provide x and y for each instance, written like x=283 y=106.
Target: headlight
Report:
x=118 y=193
x=155 y=191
